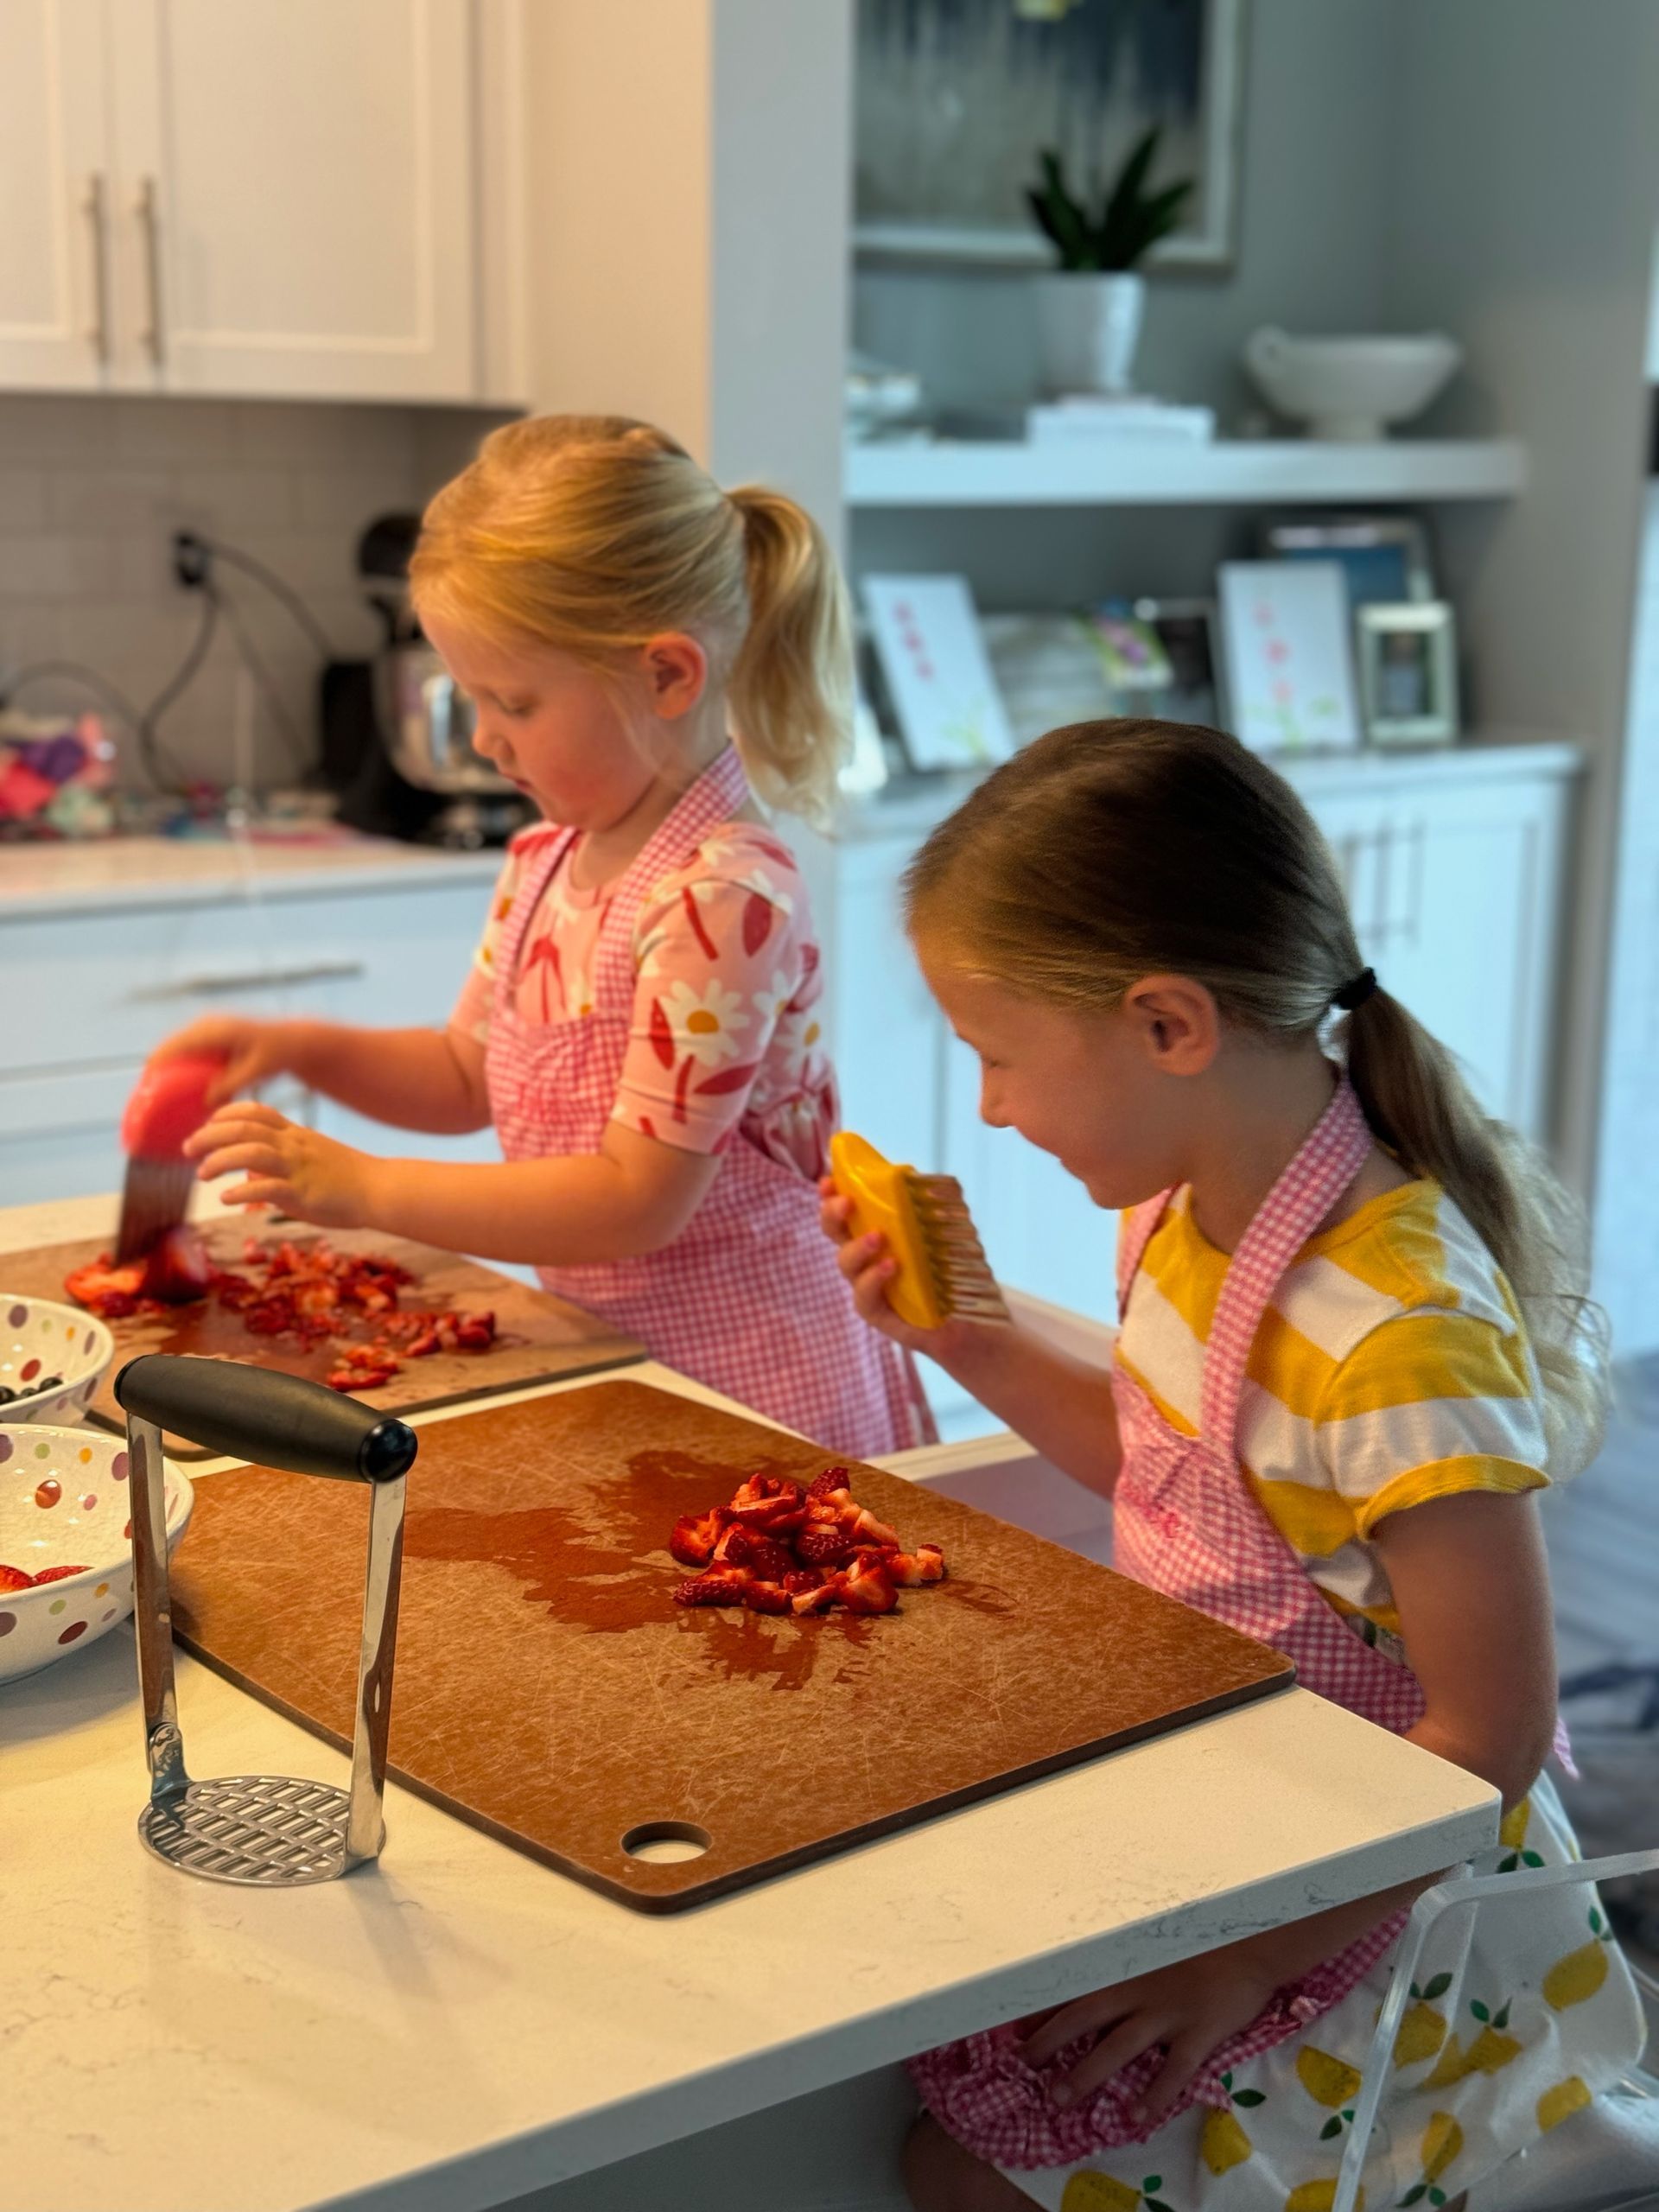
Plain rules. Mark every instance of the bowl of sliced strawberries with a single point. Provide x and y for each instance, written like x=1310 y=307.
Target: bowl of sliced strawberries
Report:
x=66 y=1541
x=52 y=1359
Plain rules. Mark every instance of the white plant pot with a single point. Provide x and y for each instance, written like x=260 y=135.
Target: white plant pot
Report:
x=1089 y=325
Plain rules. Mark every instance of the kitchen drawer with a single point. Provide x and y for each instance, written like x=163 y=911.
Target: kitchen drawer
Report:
x=100 y=988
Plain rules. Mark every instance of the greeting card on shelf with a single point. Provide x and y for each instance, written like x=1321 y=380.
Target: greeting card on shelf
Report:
x=932 y=656
x=1290 y=667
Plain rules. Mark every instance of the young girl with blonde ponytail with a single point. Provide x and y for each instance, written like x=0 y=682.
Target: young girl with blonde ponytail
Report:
x=1353 y=1346
x=645 y=651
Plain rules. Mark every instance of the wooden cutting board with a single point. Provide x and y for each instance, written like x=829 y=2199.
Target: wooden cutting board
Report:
x=539 y=1338
x=549 y=1691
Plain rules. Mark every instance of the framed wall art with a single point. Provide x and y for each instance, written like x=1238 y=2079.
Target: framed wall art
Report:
x=953 y=98
x=1290 y=663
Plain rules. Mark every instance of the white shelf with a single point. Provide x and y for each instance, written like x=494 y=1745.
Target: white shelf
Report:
x=1240 y=471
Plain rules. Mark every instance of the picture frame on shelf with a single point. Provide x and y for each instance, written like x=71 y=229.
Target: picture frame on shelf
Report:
x=953 y=97
x=1189 y=632
x=1384 y=557
x=1288 y=638
x=930 y=653
x=1407 y=655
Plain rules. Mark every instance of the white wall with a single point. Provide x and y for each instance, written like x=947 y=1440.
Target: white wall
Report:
x=1525 y=203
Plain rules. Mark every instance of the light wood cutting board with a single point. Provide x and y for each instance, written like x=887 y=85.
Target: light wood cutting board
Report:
x=539 y=1338
x=549 y=1691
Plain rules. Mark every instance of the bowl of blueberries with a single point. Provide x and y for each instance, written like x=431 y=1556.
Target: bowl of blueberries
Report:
x=52 y=1359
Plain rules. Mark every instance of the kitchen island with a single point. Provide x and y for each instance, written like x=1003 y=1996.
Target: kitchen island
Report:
x=457 y=2026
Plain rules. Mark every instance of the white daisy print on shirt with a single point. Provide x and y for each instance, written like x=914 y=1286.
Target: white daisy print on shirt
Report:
x=771 y=1003
x=705 y=1023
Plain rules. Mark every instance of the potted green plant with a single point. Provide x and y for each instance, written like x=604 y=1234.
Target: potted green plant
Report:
x=1089 y=310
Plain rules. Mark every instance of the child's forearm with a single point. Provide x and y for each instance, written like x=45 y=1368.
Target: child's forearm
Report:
x=409 y=1078
x=571 y=1211
x=1062 y=1405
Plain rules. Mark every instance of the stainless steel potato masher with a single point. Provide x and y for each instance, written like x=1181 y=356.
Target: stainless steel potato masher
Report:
x=263 y=1829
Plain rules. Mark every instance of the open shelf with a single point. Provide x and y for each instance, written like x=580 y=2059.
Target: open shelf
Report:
x=1238 y=472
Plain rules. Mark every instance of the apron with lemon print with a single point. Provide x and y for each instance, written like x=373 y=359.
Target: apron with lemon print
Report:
x=1524 y=2008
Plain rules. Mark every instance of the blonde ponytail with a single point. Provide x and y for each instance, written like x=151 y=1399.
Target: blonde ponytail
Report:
x=792 y=689
x=1110 y=850
x=593 y=534
x=1419 y=1105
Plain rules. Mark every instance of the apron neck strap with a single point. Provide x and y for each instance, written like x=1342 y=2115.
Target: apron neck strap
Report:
x=1324 y=1168
x=1134 y=1233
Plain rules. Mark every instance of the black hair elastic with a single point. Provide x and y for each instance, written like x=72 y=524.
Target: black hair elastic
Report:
x=1357 y=993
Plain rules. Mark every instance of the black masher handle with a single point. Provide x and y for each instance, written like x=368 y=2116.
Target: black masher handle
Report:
x=263 y=1414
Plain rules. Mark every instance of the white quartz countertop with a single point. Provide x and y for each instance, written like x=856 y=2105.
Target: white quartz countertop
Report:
x=111 y=872
x=457 y=2025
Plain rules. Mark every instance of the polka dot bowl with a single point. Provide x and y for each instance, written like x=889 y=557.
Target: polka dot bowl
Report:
x=64 y=1502
x=53 y=1357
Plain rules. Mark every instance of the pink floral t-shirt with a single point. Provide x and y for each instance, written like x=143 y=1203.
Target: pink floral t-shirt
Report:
x=725 y=1039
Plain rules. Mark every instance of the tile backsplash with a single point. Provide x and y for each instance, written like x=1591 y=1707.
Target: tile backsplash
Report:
x=90 y=492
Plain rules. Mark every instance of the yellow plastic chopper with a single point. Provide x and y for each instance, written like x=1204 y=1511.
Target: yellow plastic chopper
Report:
x=943 y=1272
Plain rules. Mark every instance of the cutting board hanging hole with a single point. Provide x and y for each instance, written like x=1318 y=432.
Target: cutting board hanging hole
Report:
x=664 y=1843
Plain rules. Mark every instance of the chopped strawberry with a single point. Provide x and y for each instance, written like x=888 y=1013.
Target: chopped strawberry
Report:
x=104 y=1289
x=821 y=1600
x=869 y=1530
x=13 y=1578
x=422 y=1346
x=803 y=1578
x=694 y=1538
x=763 y=1555
x=769 y=1503
x=719 y=1585
x=832 y=1482
x=475 y=1331
x=910 y=1570
x=821 y=1544
x=177 y=1270
x=763 y=1597
x=865 y=1588
x=57 y=1574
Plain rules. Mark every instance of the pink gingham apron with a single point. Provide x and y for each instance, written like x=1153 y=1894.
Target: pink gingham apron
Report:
x=1185 y=1523
x=747 y=1298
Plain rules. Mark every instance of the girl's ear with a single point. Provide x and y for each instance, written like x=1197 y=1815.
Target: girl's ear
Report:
x=676 y=670
x=1177 y=1022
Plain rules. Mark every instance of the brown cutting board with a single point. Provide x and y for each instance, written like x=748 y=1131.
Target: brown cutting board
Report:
x=549 y=1690
x=539 y=1338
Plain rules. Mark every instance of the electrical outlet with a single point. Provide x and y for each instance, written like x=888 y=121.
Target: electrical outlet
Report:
x=192 y=560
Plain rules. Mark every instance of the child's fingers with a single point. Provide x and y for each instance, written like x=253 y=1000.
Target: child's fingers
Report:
x=262 y=1191
x=1187 y=2052
x=835 y=1213
x=1116 y=2050
x=255 y=1158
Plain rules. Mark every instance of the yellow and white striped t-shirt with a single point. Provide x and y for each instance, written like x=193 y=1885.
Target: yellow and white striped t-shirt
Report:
x=1391 y=1367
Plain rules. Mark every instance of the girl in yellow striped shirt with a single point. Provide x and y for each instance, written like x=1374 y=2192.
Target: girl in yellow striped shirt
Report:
x=1353 y=1346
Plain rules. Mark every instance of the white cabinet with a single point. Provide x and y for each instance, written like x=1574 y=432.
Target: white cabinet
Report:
x=298 y=194
x=54 y=189
x=240 y=197
x=107 y=985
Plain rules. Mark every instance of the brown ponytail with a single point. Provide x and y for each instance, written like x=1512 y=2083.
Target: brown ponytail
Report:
x=595 y=533
x=791 y=688
x=1111 y=850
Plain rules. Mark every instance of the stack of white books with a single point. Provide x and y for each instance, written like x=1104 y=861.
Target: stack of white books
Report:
x=1091 y=415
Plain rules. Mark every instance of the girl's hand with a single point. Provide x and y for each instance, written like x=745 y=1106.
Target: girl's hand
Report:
x=869 y=1267
x=252 y=1051
x=284 y=1166
x=1191 y=2008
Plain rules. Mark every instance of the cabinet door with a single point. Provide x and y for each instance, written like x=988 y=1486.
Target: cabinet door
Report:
x=55 y=188
x=1455 y=897
x=296 y=181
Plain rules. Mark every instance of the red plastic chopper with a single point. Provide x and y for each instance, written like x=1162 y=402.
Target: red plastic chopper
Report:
x=169 y=1104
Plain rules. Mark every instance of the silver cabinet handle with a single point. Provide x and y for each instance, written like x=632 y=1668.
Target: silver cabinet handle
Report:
x=93 y=207
x=149 y=217
x=259 y=979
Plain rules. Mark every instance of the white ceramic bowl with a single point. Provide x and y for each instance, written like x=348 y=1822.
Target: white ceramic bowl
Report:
x=40 y=1341
x=64 y=1502
x=1350 y=388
